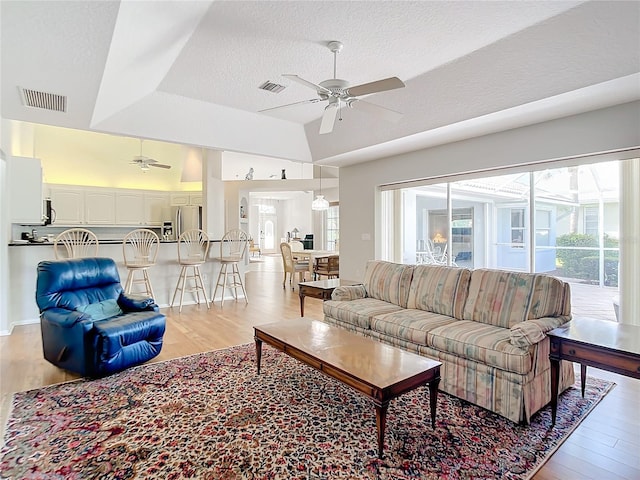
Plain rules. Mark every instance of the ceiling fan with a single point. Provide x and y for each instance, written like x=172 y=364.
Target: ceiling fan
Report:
x=338 y=93
x=145 y=162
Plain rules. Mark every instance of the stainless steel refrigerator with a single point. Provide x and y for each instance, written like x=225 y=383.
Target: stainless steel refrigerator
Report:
x=184 y=218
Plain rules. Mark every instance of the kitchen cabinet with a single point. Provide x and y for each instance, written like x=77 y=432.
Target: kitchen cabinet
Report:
x=99 y=207
x=195 y=199
x=68 y=204
x=25 y=190
x=154 y=203
x=130 y=208
x=107 y=206
x=181 y=199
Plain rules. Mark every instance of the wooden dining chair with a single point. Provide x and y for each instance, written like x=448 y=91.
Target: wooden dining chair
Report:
x=291 y=266
x=328 y=266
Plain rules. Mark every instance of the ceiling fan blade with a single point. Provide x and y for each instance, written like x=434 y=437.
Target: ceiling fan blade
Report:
x=312 y=100
x=159 y=165
x=383 y=112
x=390 y=83
x=328 y=118
x=307 y=83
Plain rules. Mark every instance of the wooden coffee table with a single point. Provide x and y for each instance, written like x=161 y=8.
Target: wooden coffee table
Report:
x=379 y=371
x=603 y=344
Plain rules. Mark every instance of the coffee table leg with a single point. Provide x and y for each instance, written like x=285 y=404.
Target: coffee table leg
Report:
x=258 y=352
x=433 y=399
x=381 y=423
x=583 y=377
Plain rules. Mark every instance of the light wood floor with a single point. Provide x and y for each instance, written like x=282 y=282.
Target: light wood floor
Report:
x=604 y=446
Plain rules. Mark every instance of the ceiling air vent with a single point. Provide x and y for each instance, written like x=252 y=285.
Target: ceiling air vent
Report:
x=272 y=87
x=48 y=101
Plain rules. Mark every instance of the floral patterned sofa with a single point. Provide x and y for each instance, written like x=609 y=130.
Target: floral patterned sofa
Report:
x=487 y=327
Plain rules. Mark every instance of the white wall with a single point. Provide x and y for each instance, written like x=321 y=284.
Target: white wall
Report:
x=597 y=131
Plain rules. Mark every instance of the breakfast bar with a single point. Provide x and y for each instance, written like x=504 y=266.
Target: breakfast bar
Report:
x=24 y=258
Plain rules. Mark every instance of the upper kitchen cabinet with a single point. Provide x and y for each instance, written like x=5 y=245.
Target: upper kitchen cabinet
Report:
x=140 y=207
x=100 y=207
x=83 y=206
x=25 y=190
x=129 y=208
x=154 y=203
x=181 y=199
x=68 y=205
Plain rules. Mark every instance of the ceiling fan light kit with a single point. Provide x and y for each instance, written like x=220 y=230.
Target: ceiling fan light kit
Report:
x=338 y=93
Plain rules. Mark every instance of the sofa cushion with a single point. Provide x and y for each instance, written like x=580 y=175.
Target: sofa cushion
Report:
x=551 y=298
x=498 y=297
x=482 y=343
x=388 y=281
x=439 y=289
x=409 y=324
x=358 y=312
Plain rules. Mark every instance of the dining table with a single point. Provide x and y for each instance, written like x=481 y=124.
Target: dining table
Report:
x=311 y=255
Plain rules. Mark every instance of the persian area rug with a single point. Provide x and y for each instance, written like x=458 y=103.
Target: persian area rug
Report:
x=210 y=416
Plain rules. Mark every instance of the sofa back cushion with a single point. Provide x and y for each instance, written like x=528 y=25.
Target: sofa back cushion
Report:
x=503 y=299
x=439 y=289
x=388 y=281
x=551 y=298
x=498 y=297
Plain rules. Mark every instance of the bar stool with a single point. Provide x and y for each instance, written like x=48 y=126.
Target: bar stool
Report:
x=193 y=247
x=77 y=243
x=140 y=250
x=236 y=243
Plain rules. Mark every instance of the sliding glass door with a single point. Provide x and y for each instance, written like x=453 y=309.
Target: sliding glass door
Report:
x=561 y=221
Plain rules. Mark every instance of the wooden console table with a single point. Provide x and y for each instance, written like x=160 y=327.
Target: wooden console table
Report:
x=603 y=344
x=321 y=289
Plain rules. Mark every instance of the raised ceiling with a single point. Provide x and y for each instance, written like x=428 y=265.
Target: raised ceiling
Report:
x=188 y=72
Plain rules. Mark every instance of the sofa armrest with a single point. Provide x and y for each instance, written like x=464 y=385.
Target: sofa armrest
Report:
x=349 y=292
x=530 y=332
x=136 y=303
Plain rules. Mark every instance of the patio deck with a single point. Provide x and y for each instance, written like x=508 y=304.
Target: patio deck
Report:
x=593 y=301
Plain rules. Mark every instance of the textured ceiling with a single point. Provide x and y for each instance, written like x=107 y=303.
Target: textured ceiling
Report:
x=188 y=72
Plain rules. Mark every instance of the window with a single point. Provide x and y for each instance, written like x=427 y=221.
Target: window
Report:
x=333 y=227
x=591 y=221
x=517 y=227
x=563 y=221
x=543 y=228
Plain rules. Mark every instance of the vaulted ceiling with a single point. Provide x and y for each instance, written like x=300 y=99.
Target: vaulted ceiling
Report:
x=188 y=72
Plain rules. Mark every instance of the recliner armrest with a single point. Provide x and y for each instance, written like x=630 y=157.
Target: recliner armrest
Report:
x=63 y=317
x=136 y=304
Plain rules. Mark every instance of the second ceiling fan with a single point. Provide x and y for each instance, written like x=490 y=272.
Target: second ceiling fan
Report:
x=145 y=162
x=338 y=93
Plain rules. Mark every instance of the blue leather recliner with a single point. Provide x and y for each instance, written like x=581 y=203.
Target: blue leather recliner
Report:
x=89 y=325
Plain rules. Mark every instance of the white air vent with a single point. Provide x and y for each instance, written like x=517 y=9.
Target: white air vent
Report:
x=272 y=87
x=48 y=101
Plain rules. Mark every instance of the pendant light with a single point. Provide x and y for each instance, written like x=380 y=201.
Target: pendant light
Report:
x=320 y=203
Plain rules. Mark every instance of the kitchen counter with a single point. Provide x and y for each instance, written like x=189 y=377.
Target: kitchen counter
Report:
x=23 y=262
